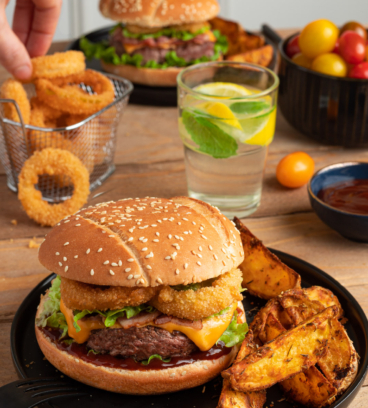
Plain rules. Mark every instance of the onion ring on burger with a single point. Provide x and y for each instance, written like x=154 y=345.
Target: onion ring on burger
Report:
x=58 y=65
x=62 y=94
x=52 y=162
x=204 y=302
x=80 y=296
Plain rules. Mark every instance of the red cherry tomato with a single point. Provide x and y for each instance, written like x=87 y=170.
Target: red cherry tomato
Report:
x=366 y=52
x=352 y=47
x=336 y=49
x=359 y=71
x=292 y=47
x=354 y=26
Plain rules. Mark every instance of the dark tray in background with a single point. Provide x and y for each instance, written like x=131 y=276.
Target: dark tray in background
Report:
x=142 y=94
x=29 y=360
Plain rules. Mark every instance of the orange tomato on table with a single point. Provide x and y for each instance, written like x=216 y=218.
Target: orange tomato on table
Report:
x=295 y=170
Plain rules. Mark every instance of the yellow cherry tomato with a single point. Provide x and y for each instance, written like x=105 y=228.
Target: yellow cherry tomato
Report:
x=318 y=37
x=302 y=60
x=330 y=64
x=295 y=170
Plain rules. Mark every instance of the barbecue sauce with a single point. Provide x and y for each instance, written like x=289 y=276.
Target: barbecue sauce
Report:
x=349 y=196
x=106 y=360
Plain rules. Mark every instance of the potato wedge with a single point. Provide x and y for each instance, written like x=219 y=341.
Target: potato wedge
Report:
x=236 y=399
x=324 y=296
x=287 y=355
x=247 y=347
x=264 y=275
x=260 y=56
x=248 y=42
x=231 y=30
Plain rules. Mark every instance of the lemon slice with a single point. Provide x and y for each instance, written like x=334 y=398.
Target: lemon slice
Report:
x=265 y=136
x=221 y=111
x=223 y=89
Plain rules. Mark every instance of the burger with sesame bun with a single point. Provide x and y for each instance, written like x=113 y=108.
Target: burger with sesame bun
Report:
x=155 y=39
x=147 y=297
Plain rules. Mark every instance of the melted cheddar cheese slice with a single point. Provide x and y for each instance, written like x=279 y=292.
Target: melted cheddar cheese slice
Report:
x=204 y=339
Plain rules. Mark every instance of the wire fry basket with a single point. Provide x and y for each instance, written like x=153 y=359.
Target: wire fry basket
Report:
x=93 y=141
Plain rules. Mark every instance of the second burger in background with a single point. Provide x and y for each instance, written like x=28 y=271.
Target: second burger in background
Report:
x=158 y=39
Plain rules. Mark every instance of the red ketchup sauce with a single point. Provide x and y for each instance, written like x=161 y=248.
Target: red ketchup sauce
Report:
x=106 y=360
x=349 y=196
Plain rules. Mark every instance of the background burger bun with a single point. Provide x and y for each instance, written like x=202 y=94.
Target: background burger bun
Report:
x=159 y=13
x=144 y=242
x=144 y=76
x=134 y=382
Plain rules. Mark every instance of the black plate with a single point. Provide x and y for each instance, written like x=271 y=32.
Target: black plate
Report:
x=29 y=361
x=142 y=94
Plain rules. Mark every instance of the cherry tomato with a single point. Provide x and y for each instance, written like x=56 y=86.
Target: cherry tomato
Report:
x=352 y=47
x=366 y=52
x=356 y=27
x=330 y=64
x=336 y=48
x=318 y=37
x=292 y=47
x=295 y=170
x=359 y=71
x=302 y=60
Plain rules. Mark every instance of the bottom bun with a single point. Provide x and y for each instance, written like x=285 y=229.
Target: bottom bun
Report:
x=144 y=76
x=148 y=382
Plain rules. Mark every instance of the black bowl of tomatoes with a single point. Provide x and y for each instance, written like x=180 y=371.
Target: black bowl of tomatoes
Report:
x=324 y=83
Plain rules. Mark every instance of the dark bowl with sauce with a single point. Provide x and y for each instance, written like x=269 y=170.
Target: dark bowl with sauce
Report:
x=339 y=195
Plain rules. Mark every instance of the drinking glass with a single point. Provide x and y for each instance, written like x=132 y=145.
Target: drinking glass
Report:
x=227 y=117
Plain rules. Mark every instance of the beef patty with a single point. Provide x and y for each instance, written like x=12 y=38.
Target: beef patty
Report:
x=141 y=342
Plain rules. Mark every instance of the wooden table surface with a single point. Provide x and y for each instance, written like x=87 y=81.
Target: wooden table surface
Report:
x=149 y=161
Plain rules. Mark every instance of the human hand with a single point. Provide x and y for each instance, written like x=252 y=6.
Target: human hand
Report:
x=34 y=25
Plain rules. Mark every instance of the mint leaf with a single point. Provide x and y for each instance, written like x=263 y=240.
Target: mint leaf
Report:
x=165 y=360
x=209 y=137
x=250 y=107
x=235 y=332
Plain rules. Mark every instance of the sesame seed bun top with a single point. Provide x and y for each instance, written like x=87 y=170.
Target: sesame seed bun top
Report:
x=159 y=13
x=143 y=242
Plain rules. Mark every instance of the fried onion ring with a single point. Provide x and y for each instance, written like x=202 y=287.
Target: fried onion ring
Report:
x=12 y=89
x=58 y=65
x=206 y=301
x=79 y=296
x=53 y=162
x=60 y=93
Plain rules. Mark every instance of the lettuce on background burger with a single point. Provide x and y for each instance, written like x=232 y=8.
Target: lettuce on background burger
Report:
x=150 y=282
x=158 y=39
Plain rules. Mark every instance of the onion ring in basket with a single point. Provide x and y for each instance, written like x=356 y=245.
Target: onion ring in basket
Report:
x=12 y=89
x=53 y=162
x=80 y=296
x=62 y=94
x=206 y=301
x=58 y=65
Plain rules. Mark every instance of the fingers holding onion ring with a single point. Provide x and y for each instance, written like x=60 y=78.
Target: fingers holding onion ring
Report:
x=204 y=302
x=12 y=89
x=61 y=94
x=80 y=296
x=58 y=65
x=52 y=162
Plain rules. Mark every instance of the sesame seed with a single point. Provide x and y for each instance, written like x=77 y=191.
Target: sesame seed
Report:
x=65 y=258
x=176 y=236
x=57 y=253
x=144 y=249
x=111 y=236
x=193 y=223
x=153 y=225
x=183 y=373
x=75 y=256
x=145 y=240
x=190 y=232
x=185 y=219
x=141 y=239
x=66 y=243
x=130 y=260
x=179 y=223
x=200 y=248
x=215 y=256
x=130 y=277
x=66 y=221
x=149 y=267
x=130 y=239
x=88 y=251
x=136 y=276
x=210 y=247
x=77 y=225
x=172 y=375
x=92 y=272
x=199 y=263
x=127 y=269
x=169 y=236
x=177 y=272
x=150 y=255
x=157 y=234
x=205 y=367
x=114 y=264
x=159 y=280
x=104 y=232
x=199 y=255
x=156 y=240
x=106 y=262
x=186 y=266
x=99 y=250
x=60 y=264
x=167 y=257
x=181 y=239
x=173 y=255
x=203 y=236
x=66 y=268
x=223 y=262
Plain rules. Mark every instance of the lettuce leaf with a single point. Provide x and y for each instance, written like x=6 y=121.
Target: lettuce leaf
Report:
x=51 y=315
x=235 y=332
x=107 y=53
x=165 y=360
x=112 y=315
